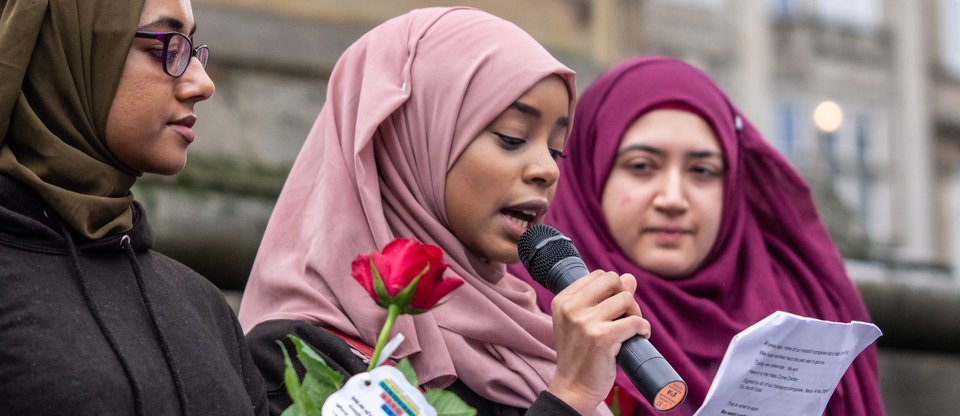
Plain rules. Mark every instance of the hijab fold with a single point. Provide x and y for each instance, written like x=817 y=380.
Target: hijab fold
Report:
x=403 y=103
x=60 y=62
x=772 y=251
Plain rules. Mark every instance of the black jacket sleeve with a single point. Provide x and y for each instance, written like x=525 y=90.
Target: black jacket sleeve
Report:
x=340 y=356
x=251 y=375
x=268 y=356
x=548 y=404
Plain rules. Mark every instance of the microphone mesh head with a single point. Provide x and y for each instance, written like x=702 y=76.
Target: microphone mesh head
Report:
x=537 y=259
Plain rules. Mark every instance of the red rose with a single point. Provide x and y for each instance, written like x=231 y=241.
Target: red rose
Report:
x=408 y=274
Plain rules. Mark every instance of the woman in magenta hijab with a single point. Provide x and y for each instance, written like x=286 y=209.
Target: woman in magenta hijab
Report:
x=443 y=125
x=667 y=180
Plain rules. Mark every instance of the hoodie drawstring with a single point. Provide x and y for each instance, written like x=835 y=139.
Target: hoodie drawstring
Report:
x=75 y=262
x=148 y=304
x=171 y=364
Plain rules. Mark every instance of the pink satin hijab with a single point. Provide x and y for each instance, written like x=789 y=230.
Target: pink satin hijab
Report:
x=772 y=251
x=403 y=102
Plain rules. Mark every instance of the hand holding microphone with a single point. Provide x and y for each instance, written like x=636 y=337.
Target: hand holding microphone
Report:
x=553 y=261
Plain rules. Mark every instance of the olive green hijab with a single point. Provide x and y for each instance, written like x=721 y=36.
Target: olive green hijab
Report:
x=60 y=63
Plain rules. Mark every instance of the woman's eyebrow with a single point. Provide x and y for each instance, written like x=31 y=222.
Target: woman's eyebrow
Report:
x=695 y=154
x=526 y=109
x=535 y=113
x=701 y=154
x=641 y=148
x=168 y=22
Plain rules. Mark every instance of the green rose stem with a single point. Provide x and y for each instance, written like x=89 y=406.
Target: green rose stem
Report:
x=395 y=305
x=400 y=258
x=392 y=312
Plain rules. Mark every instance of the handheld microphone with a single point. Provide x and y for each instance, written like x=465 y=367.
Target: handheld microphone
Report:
x=555 y=263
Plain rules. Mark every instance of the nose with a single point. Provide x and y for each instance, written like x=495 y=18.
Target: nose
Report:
x=195 y=85
x=541 y=169
x=671 y=197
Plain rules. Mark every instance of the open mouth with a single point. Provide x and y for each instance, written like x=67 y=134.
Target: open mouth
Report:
x=522 y=217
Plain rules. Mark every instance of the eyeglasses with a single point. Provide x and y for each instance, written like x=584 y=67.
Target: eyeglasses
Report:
x=177 y=51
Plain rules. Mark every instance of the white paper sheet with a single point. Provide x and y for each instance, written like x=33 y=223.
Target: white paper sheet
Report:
x=785 y=365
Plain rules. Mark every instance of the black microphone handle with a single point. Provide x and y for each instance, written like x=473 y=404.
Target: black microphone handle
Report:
x=653 y=376
x=565 y=272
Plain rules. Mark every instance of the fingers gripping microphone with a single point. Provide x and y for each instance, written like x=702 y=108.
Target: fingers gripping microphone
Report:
x=555 y=263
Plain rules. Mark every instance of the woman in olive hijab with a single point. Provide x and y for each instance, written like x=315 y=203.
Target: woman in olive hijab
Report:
x=93 y=94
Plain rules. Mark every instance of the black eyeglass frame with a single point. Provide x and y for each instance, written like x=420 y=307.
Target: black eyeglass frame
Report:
x=202 y=52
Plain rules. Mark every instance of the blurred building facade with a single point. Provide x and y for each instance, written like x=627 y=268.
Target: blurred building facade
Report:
x=886 y=177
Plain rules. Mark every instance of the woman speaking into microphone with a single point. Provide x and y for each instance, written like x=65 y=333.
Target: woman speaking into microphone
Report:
x=443 y=125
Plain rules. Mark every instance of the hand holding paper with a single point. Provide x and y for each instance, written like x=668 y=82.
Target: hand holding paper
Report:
x=785 y=365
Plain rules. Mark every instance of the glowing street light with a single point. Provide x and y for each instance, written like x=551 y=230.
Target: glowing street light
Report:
x=828 y=116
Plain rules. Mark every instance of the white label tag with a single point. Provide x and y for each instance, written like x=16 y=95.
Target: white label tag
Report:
x=389 y=348
x=383 y=391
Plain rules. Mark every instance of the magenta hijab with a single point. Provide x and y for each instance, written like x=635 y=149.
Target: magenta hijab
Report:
x=403 y=103
x=772 y=251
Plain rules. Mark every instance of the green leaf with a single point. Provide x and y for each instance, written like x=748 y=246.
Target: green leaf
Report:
x=329 y=380
x=378 y=286
x=406 y=295
x=448 y=404
x=407 y=369
x=291 y=381
x=318 y=384
x=313 y=396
